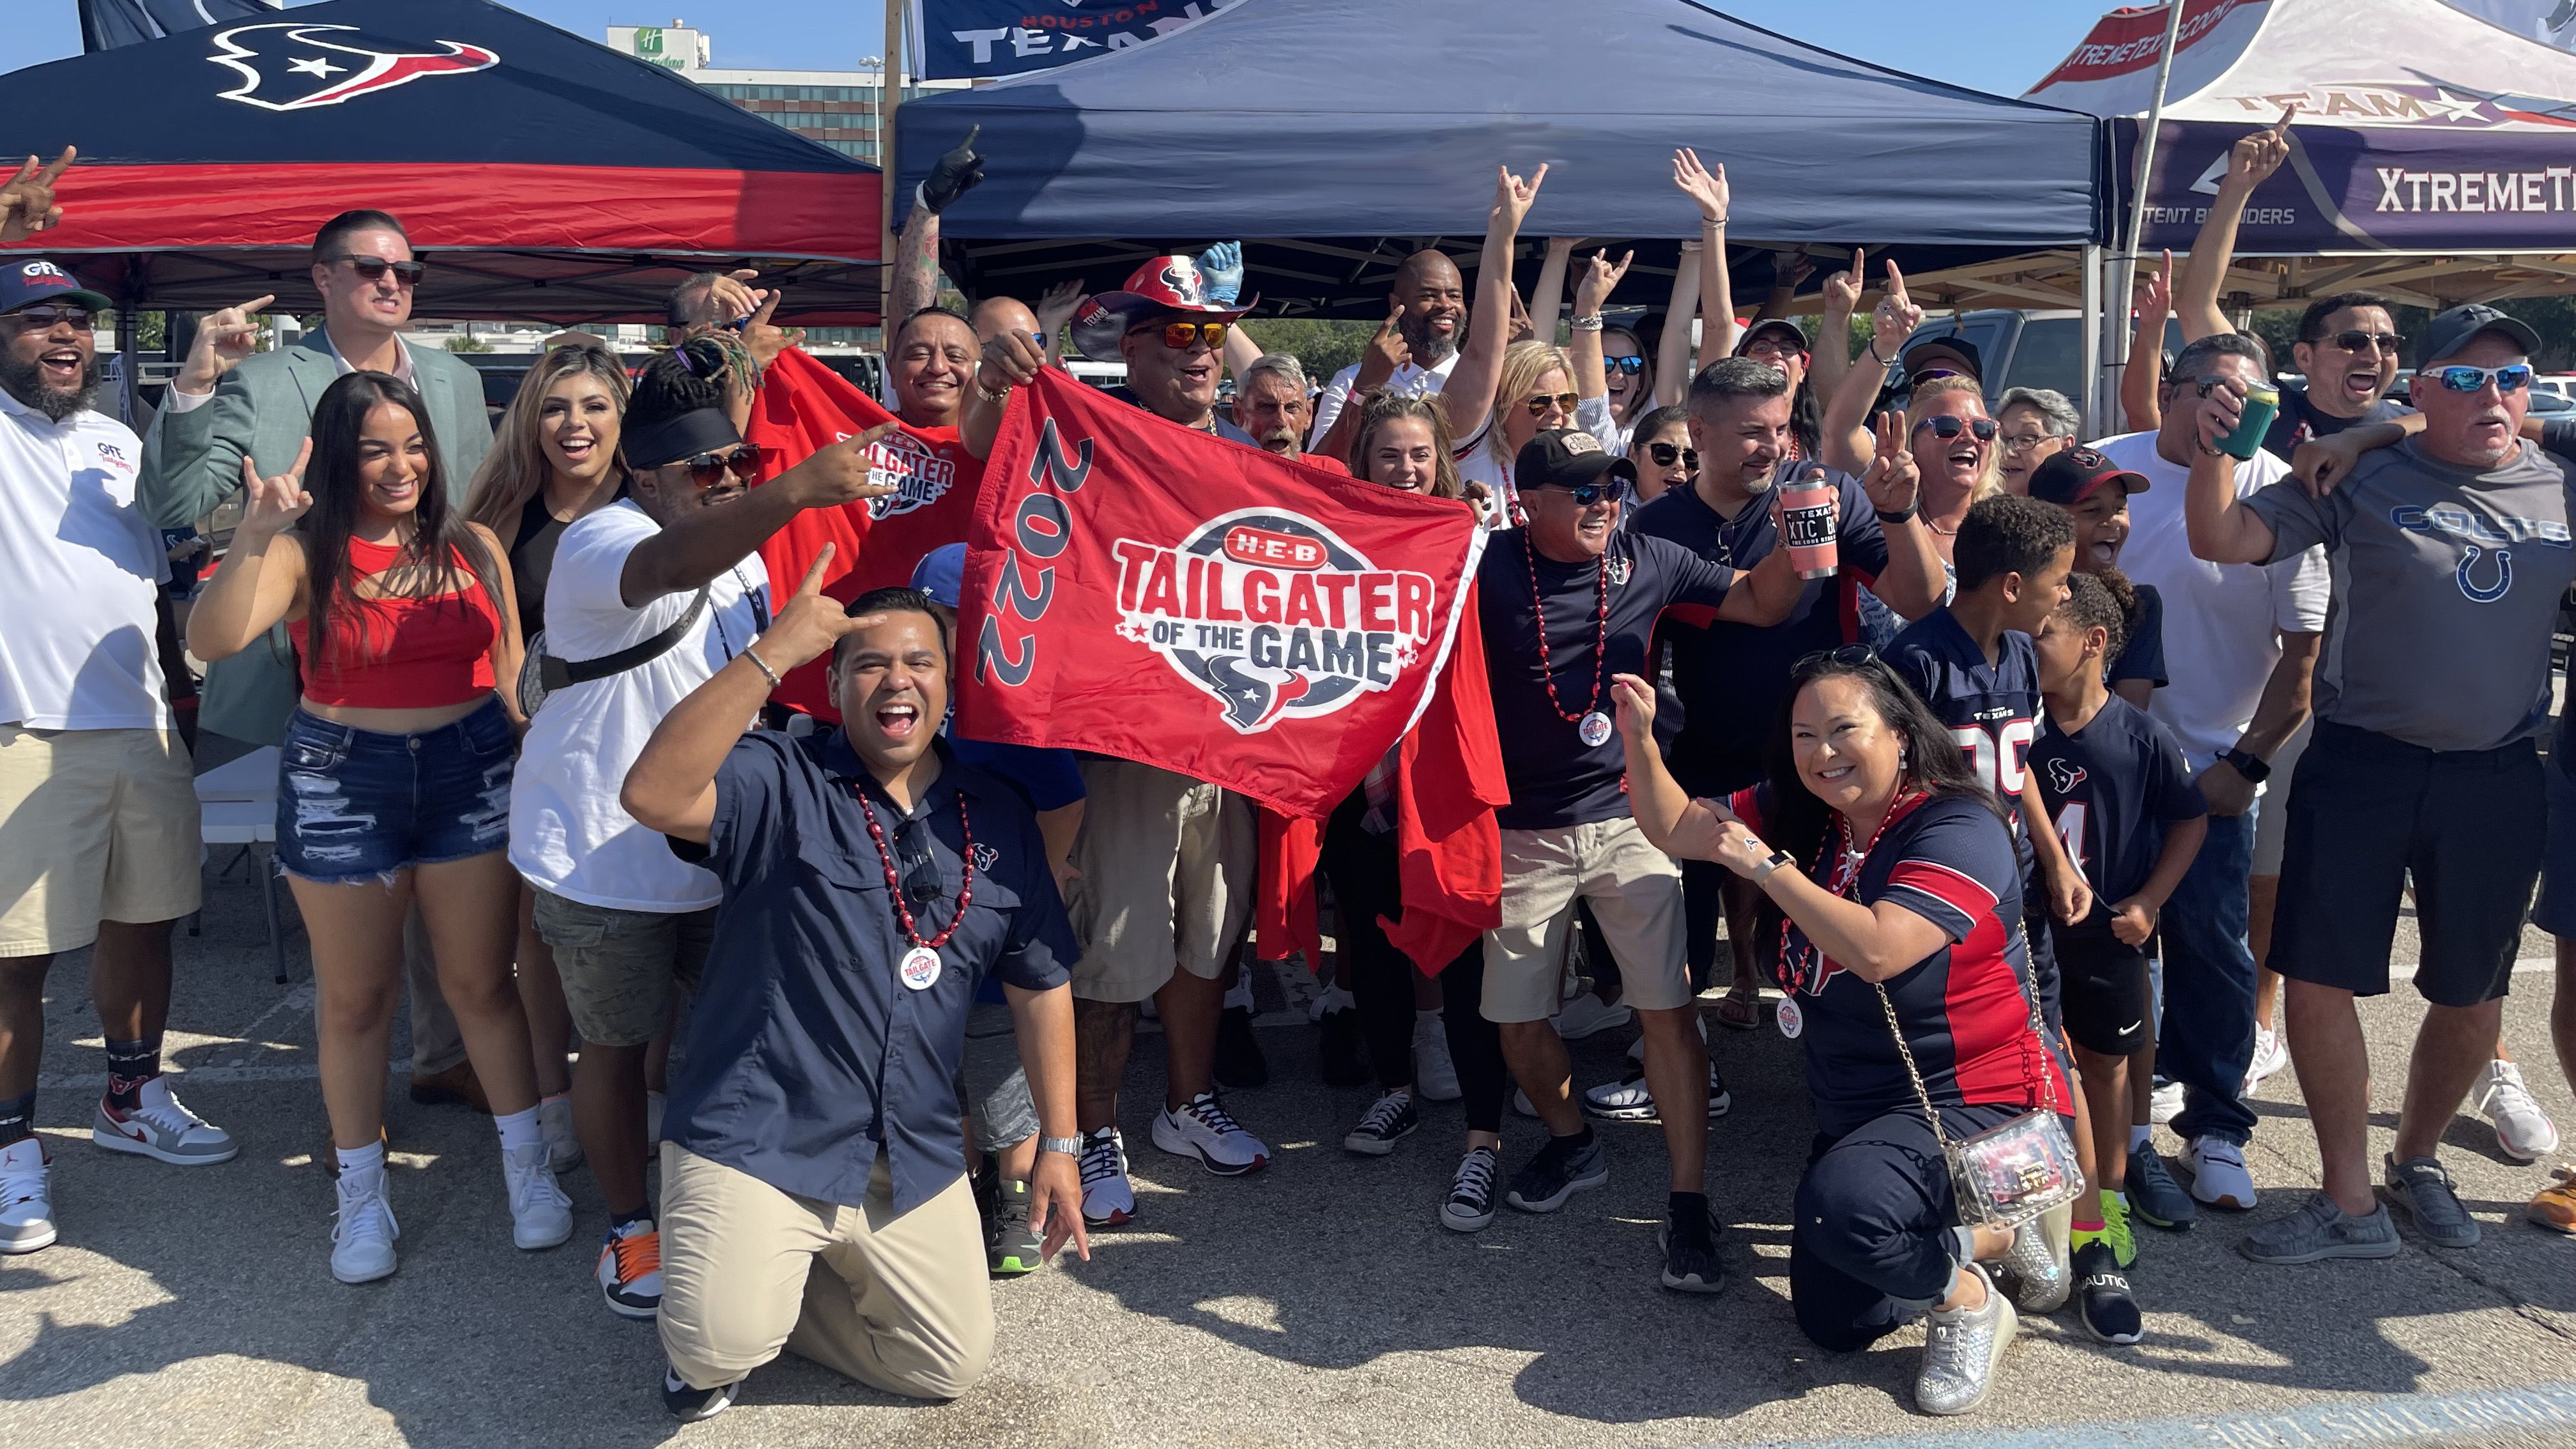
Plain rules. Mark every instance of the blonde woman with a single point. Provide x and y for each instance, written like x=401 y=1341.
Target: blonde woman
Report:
x=557 y=458
x=1960 y=453
x=1534 y=393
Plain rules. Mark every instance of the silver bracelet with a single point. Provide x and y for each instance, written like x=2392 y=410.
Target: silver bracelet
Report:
x=762 y=665
x=1586 y=324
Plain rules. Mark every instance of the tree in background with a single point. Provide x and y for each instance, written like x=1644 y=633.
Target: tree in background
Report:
x=1323 y=348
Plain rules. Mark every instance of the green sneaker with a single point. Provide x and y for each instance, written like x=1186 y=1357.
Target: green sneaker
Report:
x=2115 y=1229
x=1013 y=1248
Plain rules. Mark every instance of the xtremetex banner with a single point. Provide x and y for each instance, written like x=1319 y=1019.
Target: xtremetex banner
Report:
x=1147 y=590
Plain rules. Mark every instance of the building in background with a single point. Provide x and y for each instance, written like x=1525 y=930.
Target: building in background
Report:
x=835 y=107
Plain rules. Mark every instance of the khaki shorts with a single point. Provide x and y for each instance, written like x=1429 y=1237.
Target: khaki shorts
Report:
x=622 y=970
x=1167 y=879
x=1636 y=896
x=95 y=825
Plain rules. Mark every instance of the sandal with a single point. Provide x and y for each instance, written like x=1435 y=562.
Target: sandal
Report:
x=1742 y=1008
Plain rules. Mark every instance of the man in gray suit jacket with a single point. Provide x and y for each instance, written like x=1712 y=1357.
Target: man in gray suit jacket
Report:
x=229 y=403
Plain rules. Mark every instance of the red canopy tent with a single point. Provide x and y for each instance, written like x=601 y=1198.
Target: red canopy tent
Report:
x=543 y=177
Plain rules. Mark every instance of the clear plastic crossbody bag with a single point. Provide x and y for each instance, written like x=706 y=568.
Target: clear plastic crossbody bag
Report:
x=2008 y=1174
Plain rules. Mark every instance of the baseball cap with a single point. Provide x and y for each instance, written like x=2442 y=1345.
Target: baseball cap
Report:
x=942 y=574
x=1950 y=350
x=1165 y=284
x=1567 y=458
x=2451 y=331
x=23 y=284
x=2068 y=476
x=1790 y=332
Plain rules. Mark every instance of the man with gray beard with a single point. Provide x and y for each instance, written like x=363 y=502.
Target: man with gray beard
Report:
x=98 y=814
x=1271 y=404
x=1412 y=354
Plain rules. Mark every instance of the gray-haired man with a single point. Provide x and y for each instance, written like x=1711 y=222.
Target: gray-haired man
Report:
x=1271 y=403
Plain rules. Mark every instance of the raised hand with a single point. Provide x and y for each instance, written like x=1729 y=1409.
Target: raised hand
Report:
x=1385 y=353
x=1010 y=360
x=1593 y=287
x=763 y=339
x=2155 y=295
x=2254 y=158
x=275 y=503
x=1522 y=328
x=1895 y=317
x=2222 y=404
x=732 y=298
x=1702 y=185
x=839 y=472
x=27 y=199
x=224 y=338
x=958 y=170
x=1221 y=272
x=1514 y=197
x=1561 y=247
x=1790 y=273
x=1843 y=289
x=1892 y=477
x=1058 y=306
x=810 y=624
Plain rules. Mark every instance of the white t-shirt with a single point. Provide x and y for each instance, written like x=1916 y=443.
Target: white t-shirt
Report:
x=567 y=831
x=2220 y=620
x=1593 y=416
x=79 y=571
x=1408 y=380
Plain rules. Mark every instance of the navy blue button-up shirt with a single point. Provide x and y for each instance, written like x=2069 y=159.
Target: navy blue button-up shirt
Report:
x=807 y=1053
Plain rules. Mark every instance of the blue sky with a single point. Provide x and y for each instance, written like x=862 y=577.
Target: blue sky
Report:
x=2010 y=44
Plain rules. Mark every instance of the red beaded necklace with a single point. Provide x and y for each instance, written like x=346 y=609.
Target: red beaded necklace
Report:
x=1846 y=873
x=894 y=886
x=1600 y=638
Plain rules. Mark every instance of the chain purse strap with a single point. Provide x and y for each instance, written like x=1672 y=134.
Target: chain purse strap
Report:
x=1923 y=1093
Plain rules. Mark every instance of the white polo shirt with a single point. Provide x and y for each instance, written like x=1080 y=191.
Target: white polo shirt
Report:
x=1406 y=381
x=80 y=567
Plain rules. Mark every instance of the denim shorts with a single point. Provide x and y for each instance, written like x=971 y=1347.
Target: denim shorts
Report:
x=356 y=805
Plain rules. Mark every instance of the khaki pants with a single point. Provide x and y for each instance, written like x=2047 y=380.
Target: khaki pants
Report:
x=1167 y=868
x=900 y=1303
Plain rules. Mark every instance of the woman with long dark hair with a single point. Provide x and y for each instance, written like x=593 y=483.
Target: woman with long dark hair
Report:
x=394 y=777
x=1891 y=917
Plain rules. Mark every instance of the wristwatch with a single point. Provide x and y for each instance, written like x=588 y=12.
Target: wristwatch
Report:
x=1069 y=1146
x=1774 y=861
x=2255 y=769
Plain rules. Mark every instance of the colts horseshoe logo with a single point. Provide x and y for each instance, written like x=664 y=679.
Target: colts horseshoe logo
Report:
x=2469 y=556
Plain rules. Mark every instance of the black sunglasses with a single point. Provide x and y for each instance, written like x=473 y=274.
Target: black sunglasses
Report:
x=1849 y=656
x=706 y=470
x=2356 y=341
x=1946 y=426
x=373 y=268
x=1667 y=454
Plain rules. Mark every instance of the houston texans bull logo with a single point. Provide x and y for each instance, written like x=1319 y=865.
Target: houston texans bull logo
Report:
x=1273 y=615
x=2066 y=773
x=287 y=66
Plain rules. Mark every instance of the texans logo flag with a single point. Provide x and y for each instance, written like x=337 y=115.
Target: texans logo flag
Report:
x=804 y=406
x=1146 y=590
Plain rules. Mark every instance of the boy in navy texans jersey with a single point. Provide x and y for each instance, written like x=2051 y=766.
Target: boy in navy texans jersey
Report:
x=2122 y=801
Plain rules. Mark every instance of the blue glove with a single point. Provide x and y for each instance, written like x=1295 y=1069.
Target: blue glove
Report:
x=1221 y=272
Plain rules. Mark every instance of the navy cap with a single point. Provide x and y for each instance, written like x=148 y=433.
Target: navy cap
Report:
x=2066 y=477
x=1949 y=351
x=1790 y=332
x=2449 y=332
x=24 y=284
x=1567 y=458
x=942 y=574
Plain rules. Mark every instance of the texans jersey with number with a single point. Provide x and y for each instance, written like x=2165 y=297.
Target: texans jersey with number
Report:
x=2111 y=789
x=1992 y=710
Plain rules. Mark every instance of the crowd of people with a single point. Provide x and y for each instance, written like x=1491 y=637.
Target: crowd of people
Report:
x=2077 y=790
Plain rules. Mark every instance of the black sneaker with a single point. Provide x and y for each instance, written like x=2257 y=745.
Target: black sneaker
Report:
x=1011 y=1246
x=1563 y=1167
x=1389 y=1120
x=689 y=1405
x=2102 y=1296
x=1691 y=1262
x=1470 y=1204
x=2153 y=1194
x=1239 y=1062
x=1345 y=1065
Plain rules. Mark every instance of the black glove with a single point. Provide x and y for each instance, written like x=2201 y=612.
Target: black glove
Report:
x=953 y=175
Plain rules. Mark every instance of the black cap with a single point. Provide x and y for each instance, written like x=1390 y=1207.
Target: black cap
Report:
x=2447 y=334
x=1950 y=349
x=2066 y=476
x=1796 y=333
x=24 y=284
x=1567 y=458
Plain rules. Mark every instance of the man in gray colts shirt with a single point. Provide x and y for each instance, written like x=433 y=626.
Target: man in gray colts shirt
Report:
x=2449 y=554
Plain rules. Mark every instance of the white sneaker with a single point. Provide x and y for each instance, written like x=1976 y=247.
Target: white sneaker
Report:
x=2522 y=1129
x=540 y=1214
x=1202 y=1128
x=362 y=1240
x=2218 y=1175
x=2270 y=1055
x=26 y=1197
x=1587 y=1015
x=163 y=1129
x=1628 y=1100
x=1435 y=1077
x=563 y=1145
x=2166 y=1104
x=1108 y=1198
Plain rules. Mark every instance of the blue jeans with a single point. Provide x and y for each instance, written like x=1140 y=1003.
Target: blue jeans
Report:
x=2206 y=1040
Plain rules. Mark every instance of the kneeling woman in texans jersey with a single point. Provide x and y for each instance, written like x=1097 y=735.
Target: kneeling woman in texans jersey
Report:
x=1883 y=863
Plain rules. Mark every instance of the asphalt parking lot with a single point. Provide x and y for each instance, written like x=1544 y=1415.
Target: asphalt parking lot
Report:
x=1318 y=1302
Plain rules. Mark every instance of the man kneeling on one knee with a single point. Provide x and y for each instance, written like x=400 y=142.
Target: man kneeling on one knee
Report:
x=814 y=1190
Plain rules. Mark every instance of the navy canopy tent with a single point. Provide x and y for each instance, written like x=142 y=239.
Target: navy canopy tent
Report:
x=540 y=175
x=1333 y=135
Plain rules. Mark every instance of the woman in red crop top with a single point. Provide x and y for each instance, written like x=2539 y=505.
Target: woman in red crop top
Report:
x=394 y=777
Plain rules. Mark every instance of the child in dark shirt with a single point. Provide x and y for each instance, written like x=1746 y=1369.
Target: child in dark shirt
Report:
x=2122 y=801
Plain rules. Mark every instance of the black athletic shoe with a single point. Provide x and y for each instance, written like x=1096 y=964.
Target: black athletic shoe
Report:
x=1345 y=1063
x=2102 y=1296
x=1390 y=1119
x=689 y=1405
x=1563 y=1167
x=1691 y=1262
x=1239 y=1062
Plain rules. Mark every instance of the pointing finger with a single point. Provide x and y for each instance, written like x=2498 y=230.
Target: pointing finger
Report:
x=767 y=308
x=812 y=585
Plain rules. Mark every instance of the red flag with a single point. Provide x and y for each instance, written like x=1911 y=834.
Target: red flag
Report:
x=803 y=406
x=1146 y=590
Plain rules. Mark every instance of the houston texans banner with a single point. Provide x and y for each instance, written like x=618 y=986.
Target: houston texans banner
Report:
x=1146 y=590
x=975 y=39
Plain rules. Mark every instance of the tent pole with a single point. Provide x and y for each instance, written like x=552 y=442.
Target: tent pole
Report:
x=2096 y=408
x=889 y=95
x=2125 y=269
